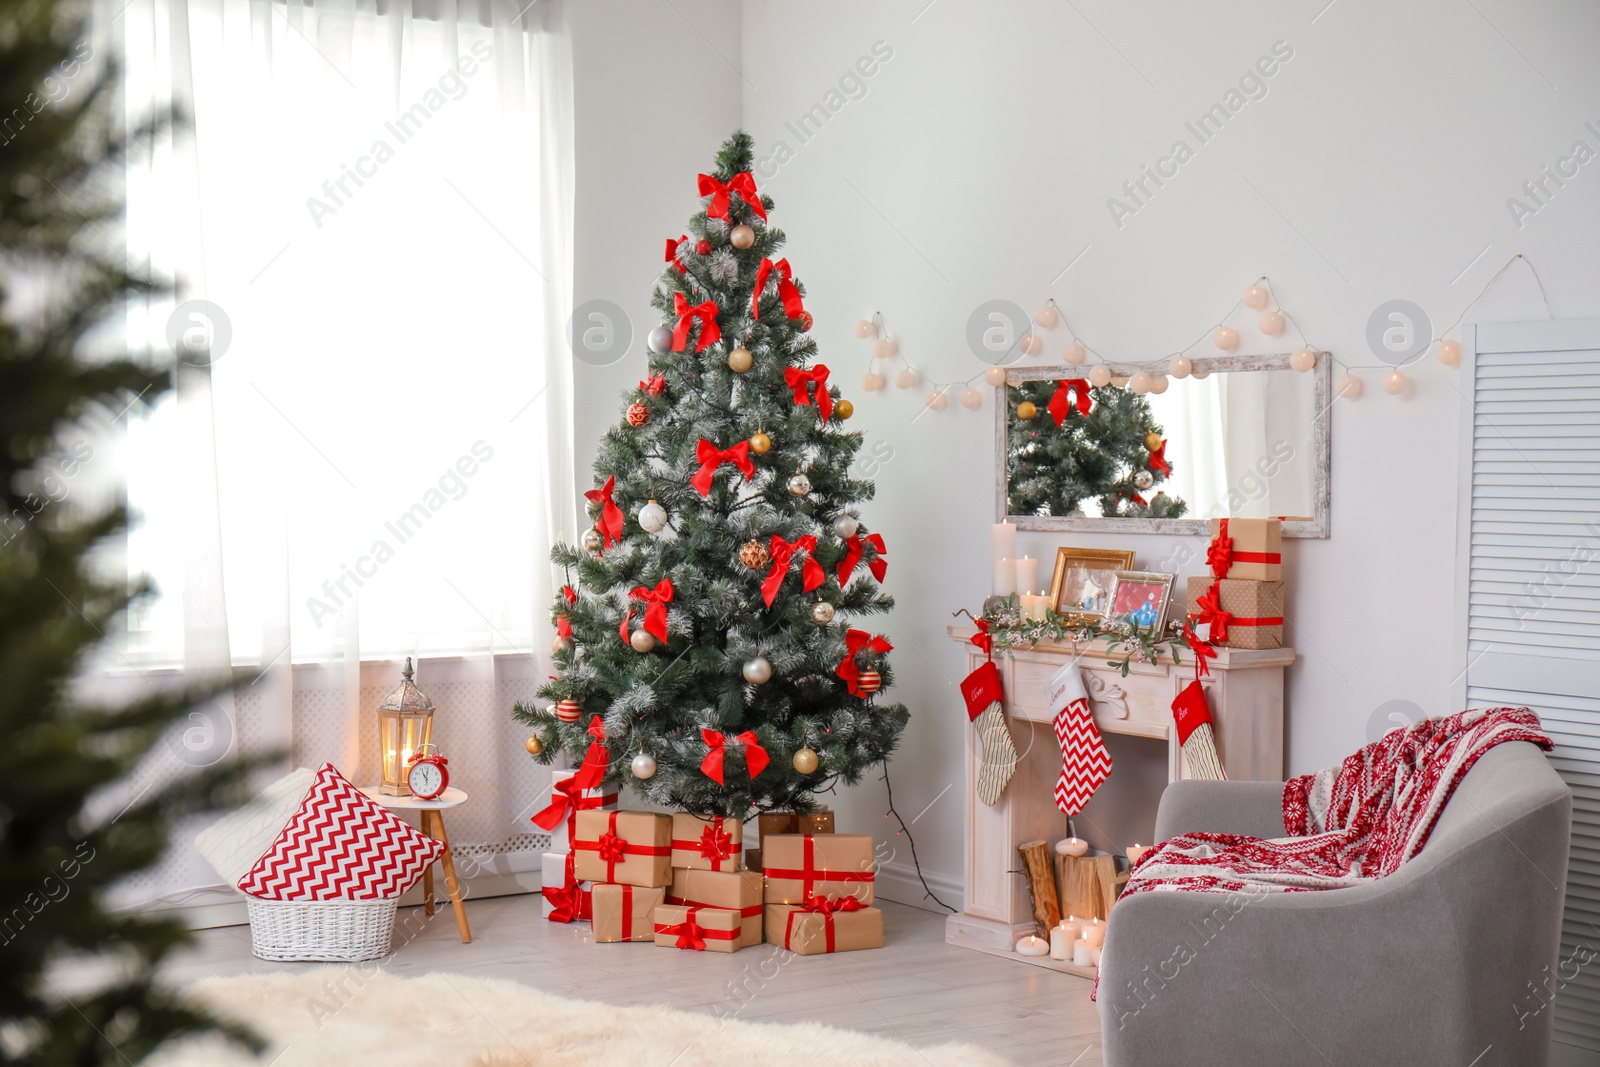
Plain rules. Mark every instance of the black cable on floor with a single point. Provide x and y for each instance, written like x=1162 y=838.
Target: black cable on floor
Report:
x=906 y=830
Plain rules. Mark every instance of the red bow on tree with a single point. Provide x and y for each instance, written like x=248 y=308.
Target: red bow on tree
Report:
x=672 y=253
x=1210 y=605
x=1135 y=497
x=610 y=524
x=741 y=183
x=755 y=757
x=653 y=385
x=782 y=554
x=590 y=774
x=799 y=380
x=1202 y=652
x=655 y=612
x=856 y=642
x=711 y=457
x=1158 y=458
x=715 y=842
x=710 y=332
x=788 y=292
x=852 y=555
x=570 y=594
x=563 y=627
x=1061 y=401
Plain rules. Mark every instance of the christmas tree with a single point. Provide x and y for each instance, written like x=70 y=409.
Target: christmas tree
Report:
x=1067 y=442
x=703 y=645
x=59 y=854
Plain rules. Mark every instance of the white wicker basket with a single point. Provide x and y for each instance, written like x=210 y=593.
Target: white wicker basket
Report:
x=292 y=930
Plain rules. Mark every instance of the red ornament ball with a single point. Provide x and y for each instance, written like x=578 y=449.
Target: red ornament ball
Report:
x=869 y=682
x=805 y=320
x=703 y=247
x=568 y=710
x=638 y=414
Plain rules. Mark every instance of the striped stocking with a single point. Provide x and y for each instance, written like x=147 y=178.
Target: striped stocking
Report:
x=1085 y=763
x=998 y=762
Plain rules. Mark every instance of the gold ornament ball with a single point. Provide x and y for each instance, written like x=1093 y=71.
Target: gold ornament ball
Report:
x=642 y=641
x=805 y=761
x=822 y=613
x=742 y=236
x=533 y=745
x=560 y=644
x=760 y=444
x=1026 y=411
x=569 y=711
x=869 y=682
x=1152 y=441
x=592 y=541
x=844 y=409
x=753 y=554
x=740 y=360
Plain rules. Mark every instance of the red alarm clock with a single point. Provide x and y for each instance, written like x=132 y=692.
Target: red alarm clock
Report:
x=428 y=776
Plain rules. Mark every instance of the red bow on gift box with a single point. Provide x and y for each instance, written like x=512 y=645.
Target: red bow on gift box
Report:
x=856 y=642
x=690 y=935
x=1221 y=557
x=590 y=774
x=741 y=183
x=610 y=524
x=827 y=909
x=755 y=757
x=672 y=253
x=716 y=844
x=852 y=555
x=655 y=612
x=568 y=901
x=1210 y=605
x=711 y=457
x=1061 y=401
x=782 y=554
x=788 y=292
x=799 y=380
x=1158 y=459
x=710 y=332
x=611 y=847
x=653 y=385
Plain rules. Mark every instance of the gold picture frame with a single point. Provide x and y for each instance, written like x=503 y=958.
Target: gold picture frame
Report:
x=1087 y=593
x=1142 y=597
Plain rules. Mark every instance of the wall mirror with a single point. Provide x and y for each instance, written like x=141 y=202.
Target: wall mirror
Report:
x=1245 y=437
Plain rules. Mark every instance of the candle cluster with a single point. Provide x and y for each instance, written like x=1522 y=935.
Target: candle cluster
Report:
x=1015 y=576
x=1078 y=940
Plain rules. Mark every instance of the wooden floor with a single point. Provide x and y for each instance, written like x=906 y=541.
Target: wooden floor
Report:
x=916 y=988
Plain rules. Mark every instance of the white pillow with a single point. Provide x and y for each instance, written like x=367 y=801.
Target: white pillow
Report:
x=233 y=843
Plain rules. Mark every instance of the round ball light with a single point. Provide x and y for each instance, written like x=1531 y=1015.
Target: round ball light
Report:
x=1198 y=375
x=885 y=348
x=971 y=399
x=1031 y=344
x=1272 y=323
x=864 y=328
x=937 y=400
x=907 y=379
x=872 y=381
x=995 y=376
x=1158 y=383
x=1350 y=387
x=1395 y=382
x=1255 y=297
x=1099 y=375
x=1047 y=317
x=1226 y=338
x=1303 y=360
x=1139 y=383
x=1074 y=352
x=1180 y=367
x=1448 y=353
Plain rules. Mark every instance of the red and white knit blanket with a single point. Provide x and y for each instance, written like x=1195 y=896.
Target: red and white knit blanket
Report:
x=1346 y=824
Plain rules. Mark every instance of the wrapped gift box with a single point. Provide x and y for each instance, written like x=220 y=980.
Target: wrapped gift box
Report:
x=623 y=912
x=1249 y=549
x=701 y=929
x=566 y=899
x=1254 y=612
x=714 y=844
x=815 y=822
x=799 y=867
x=738 y=891
x=775 y=822
x=596 y=799
x=823 y=928
x=631 y=847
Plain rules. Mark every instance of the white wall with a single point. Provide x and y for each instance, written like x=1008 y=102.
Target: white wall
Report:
x=978 y=165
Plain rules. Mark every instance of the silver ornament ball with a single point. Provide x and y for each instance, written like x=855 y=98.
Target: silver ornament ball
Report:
x=846 y=526
x=660 y=340
x=799 y=485
x=757 y=671
x=822 y=613
x=653 y=517
x=1143 y=479
x=592 y=541
x=644 y=765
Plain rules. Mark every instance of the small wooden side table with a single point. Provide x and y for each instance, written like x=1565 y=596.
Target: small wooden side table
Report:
x=433 y=826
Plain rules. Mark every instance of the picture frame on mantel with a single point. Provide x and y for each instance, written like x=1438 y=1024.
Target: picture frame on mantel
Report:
x=1143 y=598
x=1083 y=575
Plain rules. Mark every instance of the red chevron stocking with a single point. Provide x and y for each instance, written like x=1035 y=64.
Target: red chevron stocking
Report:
x=1085 y=763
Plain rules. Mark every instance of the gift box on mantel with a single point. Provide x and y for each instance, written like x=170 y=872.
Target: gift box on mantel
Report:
x=713 y=844
x=1236 y=613
x=631 y=847
x=623 y=912
x=738 y=891
x=824 y=926
x=700 y=929
x=799 y=867
x=1250 y=549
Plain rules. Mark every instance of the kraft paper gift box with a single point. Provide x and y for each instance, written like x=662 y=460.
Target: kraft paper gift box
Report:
x=714 y=844
x=623 y=912
x=1250 y=549
x=775 y=822
x=1251 y=612
x=824 y=928
x=566 y=807
x=738 y=891
x=799 y=867
x=700 y=929
x=565 y=898
x=815 y=822
x=631 y=847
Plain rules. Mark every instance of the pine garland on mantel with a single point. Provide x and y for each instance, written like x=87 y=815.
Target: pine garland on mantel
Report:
x=1009 y=631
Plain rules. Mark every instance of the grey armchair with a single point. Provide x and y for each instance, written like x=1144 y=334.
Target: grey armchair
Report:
x=1435 y=964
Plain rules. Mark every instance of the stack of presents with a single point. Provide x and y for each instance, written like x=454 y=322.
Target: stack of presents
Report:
x=684 y=881
x=1240 y=603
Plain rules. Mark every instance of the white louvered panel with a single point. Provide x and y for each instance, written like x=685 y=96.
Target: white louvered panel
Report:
x=1528 y=589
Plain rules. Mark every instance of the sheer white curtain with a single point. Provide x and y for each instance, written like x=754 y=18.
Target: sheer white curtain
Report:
x=368 y=229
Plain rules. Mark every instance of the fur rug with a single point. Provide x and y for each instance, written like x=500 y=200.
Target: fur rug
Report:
x=444 y=1020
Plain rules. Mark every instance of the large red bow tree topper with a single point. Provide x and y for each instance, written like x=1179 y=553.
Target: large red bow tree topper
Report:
x=723 y=744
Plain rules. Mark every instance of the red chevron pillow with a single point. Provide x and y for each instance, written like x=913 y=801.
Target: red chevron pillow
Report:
x=341 y=845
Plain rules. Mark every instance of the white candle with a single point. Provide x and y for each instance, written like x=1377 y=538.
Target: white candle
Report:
x=1072 y=846
x=1033 y=946
x=1027 y=574
x=1061 y=939
x=1136 y=852
x=1094 y=932
x=1005 y=576
x=1073 y=928
x=1003 y=541
x=1080 y=953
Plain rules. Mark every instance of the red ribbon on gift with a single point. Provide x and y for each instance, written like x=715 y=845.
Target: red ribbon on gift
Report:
x=692 y=935
x=1221 y=557
x=747 y=913
x=852 y=555
x=799 y=380
x=569 y=901
x=715 y=843
x=711 y=457
x=655 y=612
x=808 y=875
x=741 y=183
x=1158 y=459
x=566 y=795
x=788 y=292
x=653 y=385
x=627 y=911
x=1210 y=605
x=782 y=554
x=1202 y=652
x=672 y=253
x=856 y=642
x=710 y=332
x=614 y=849
x=755 y=757
x=1061 y=401
x=610 y=524
x=826 y=908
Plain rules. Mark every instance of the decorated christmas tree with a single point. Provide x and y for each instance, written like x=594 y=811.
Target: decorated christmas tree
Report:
x=705 y=651
x=1067 y=443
